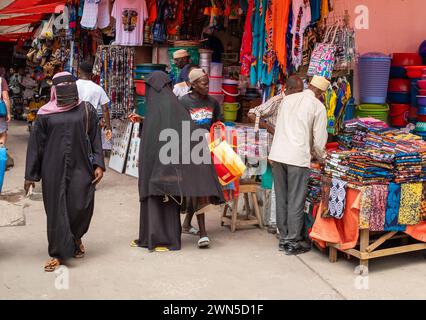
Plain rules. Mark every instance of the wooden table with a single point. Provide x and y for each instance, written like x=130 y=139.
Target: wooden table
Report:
x=368 y=246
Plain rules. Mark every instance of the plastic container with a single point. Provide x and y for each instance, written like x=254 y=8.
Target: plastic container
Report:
x=415 y=72
x=216 y=69
x=421 y=111
x=406 y=59
x=422 y=92
x=412 y=114
x=230 y=111
x=421 y=127
x=398 y=73
x=374 y=69
x=150 y=67
x=398 y=114
x=3 y=160
x=377 y=111
x=398 y=97
x=231 y=91
x=215 y=84
x=205 y=54
x=141 y=106
x=399 y=85
x=140 y=87
x=421 y=84
x=421 y=101
x=421 y=118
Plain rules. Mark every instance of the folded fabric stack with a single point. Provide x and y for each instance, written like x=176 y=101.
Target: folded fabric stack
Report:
x=336 y=164
x=358 y=130
x=408 y=167
x=314 y=186
x=370 y=166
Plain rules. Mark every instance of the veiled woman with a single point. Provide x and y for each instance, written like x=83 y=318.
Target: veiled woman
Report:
x=168 y=171
x=65 y=153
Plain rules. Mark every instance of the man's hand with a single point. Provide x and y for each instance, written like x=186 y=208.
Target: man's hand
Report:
x=108 y=134
x=99 y=174
x=27 y=185
x=135 y=118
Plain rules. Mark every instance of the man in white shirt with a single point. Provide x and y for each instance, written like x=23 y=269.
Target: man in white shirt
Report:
x=301 y=132
x=94 y=94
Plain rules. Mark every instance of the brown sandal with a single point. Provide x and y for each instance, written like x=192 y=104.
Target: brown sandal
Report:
x=81 y=251
x=52 y=265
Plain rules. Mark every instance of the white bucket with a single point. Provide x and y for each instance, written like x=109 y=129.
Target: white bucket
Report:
x=215 y=84
x=219 y=97
x=216 y=69
x=205 y=54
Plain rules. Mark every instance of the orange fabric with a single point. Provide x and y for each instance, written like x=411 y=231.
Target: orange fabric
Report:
x=152 y=11
x=344 y=232
x=418 y=231
x=281 y=10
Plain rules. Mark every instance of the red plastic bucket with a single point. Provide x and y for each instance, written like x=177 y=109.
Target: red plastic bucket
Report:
x=399 y=114
x=140 y=87
x=231 y=91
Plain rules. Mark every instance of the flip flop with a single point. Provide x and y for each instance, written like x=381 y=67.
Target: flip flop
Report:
x=134 y=243
x=161 y=249
x=204 y=242
x=192 y=231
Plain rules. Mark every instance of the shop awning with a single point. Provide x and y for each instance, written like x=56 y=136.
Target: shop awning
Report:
x=22 y=19
x=30 y=6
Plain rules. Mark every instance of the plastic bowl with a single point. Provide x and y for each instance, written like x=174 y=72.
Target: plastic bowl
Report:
x=422 y=92
x=421 y=111
x=415 y=72
x=398 y=73
x=399 y=85
x=140 y=87
x=422 y=84
x=421 y=118
x=406 y=59
x=421 y=101
x=398 y=97
x=421 y=126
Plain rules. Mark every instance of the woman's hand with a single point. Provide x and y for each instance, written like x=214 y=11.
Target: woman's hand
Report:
x=27 y=185
x=99 y=174
x=133 y=117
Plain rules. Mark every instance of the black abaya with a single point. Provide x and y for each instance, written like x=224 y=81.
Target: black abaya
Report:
x=58 y=155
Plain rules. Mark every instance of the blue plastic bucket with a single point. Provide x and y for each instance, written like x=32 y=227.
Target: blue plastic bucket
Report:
x=374 y=69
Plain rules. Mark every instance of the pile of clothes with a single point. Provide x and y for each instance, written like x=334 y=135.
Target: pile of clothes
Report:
x=314 y=186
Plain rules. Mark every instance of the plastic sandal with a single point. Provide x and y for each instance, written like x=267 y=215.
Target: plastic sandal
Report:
x=52 y=265
x=204 y=242
x=80 y=252
x=192 y=231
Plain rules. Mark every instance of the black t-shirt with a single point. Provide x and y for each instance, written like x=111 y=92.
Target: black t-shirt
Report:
x=203 y=112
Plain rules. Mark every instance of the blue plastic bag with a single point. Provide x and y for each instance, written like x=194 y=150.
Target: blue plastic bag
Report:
x=3 y=160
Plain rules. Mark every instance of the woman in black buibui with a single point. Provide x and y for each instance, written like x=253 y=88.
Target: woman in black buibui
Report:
x=163 y=184
x=65 y=153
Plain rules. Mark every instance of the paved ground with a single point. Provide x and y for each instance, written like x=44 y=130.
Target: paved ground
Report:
x=244 y=265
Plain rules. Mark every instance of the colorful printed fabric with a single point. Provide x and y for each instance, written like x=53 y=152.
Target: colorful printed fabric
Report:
x=423 y=205
x=325 y=195
x=378 y=215
x=410 y=207
x=392 y=210
x=366 y=207
x=246 y=57
x=337 y=201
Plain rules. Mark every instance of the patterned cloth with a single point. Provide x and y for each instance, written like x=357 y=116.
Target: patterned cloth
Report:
x=378 y=215
x=410 y=207
x=366 y=207
x=325 y=196
x=392 y=210
x=423 y=205
x=337 y=201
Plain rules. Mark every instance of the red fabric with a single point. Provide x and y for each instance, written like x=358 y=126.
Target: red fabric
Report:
x=418 y=231
x=32 y=6
x=14 y=21
x=246 y=57
x=345 y=231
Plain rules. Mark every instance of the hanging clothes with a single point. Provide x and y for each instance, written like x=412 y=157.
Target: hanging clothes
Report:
x=316 y=6
x=104 y=14
x=301 y=20
x=411 y=198
x=325 y=9
x=392 y=208
x=90 y=14
x=130 y=16
x=246 y=57
x=281 y=11
x=366 y=209
x=337 y=198
x=378 y=216
x=258 y=40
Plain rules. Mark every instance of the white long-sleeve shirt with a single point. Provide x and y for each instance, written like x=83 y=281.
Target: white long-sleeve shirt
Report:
x=301 y=130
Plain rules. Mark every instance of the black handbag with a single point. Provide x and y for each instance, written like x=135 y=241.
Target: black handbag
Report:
x=88 y=142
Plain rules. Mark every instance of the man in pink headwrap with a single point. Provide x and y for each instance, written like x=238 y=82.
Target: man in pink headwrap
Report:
x=65 y=153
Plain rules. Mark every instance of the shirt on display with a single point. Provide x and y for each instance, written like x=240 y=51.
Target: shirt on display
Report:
x=130 y=16
x=90 y=14
x=89 y=91
x=103 y=14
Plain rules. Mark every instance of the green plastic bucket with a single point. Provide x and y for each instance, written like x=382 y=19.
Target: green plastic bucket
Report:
x=145 y=69
x=230 y=111
x=377 y=111
x=141 y=106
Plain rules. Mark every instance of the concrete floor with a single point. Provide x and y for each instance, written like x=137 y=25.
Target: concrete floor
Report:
x=243 y=265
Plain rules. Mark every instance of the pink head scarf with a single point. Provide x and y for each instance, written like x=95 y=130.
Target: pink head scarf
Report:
x=52 y=107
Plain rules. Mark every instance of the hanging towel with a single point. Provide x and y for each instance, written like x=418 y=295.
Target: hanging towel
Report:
x=281 y=11
x=246 y=57
x=410 y=207
x=366 y=207
x=337 y=201
x=392 y=210
x=378 y=215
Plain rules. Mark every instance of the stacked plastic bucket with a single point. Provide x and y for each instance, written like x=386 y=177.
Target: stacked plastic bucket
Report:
x=374 y=71
x=215 y=81
x=141 y=72
x=230 y=105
